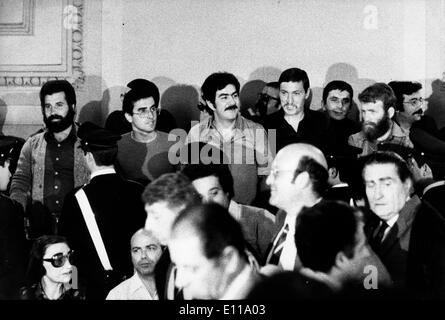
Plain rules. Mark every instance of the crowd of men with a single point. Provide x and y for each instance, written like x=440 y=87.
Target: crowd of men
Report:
x=280 y=202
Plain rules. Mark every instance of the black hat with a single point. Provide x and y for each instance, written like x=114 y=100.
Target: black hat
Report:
x=93 y=137
x=9 y=148
x=403 y=151
x=343 y=155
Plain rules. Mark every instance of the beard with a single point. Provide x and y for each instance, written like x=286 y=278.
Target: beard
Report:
x=373 y=131
x=62 y=123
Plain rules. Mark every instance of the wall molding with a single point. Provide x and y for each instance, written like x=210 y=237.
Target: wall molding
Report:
x=23 y=28
x=71 y=66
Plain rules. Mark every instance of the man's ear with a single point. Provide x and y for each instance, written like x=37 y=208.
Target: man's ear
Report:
x=333 y=172
x=128 y=117
x=74 y=107
x=230 y=259
x=391 y=112
x=308 y=93
x=303 y=179
x=323 y=105
x=210 y=105
x=341 y=261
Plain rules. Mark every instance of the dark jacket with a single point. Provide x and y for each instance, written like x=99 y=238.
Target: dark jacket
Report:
x=119 y=213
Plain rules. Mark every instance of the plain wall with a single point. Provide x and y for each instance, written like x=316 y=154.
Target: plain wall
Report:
x=178 y=43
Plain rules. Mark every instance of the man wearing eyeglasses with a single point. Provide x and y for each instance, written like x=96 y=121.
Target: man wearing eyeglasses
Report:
x=298 y=179
x=422 y=129
x=50 y=163
x=143 y=152
x=268 y=102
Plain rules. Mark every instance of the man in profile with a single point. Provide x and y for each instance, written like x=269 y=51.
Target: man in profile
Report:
x=208 y=249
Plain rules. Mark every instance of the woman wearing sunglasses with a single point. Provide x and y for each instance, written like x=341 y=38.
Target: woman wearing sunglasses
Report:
x=50 y=271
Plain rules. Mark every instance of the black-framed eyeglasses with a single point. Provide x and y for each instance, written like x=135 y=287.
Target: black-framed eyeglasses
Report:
x=416 y=102
x=59 y=259
x=145 y=113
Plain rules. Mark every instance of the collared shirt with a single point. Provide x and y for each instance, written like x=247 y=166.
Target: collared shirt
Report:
x=59 y=171
x=395 y=136
x=102 y=172
x=391 y=222
x=248 y=152
x=131 y=289
x=240 y=286
x=289 y=254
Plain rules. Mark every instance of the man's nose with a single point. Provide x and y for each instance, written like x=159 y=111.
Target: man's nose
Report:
x=289 y=99
x=378 y=192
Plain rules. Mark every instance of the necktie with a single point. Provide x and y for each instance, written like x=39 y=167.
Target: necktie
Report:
x=277 y=249
x=376 y=240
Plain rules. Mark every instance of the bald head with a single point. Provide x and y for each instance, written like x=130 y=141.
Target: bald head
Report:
x=299 y=176
x=294 y=152
x=144 y=233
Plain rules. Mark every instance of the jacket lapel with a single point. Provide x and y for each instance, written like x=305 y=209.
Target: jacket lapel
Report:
x=402 y=226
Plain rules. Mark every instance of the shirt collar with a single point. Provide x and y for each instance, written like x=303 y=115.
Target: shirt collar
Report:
x=101 y=172
x=238 y=284
x=136 y=284
x=235 y=210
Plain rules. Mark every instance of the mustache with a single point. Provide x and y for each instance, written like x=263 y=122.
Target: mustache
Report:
x=420 y=111
x=234 y=107
x=55 y=116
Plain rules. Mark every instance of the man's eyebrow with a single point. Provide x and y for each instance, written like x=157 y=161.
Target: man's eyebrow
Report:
x=385 y=178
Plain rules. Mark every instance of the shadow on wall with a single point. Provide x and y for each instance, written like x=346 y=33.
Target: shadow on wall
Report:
x=181 y=100
x=436 y=102
x=255 y=84
x=95 y=111
x=249 y=93
x=348 y=73
x=3 y=111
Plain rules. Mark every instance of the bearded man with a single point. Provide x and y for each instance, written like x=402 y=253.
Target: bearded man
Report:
x=50 y=163
x=377 y=109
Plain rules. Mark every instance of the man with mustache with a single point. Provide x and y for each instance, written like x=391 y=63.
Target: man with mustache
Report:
x=377 y=109
x=50 y=163
x=422 y=129
x=295 y=122
x=146 y=251
x=243 y=141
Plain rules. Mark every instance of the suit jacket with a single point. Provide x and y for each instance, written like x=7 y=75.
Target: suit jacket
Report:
x=119 y=213
x=280 y=219
x=414 y=250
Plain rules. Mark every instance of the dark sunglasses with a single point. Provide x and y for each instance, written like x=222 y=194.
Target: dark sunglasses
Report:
x=59 y=259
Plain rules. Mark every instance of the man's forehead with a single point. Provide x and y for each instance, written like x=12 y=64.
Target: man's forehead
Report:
x=413 y=95
x=282 y=162
x=378 y=104
x=56 y=96
x=144 y=102
x=338 y=93
x=143 y=239
x=228 y=89
x=292 y=85
x=378 y=171
x=162 y=206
